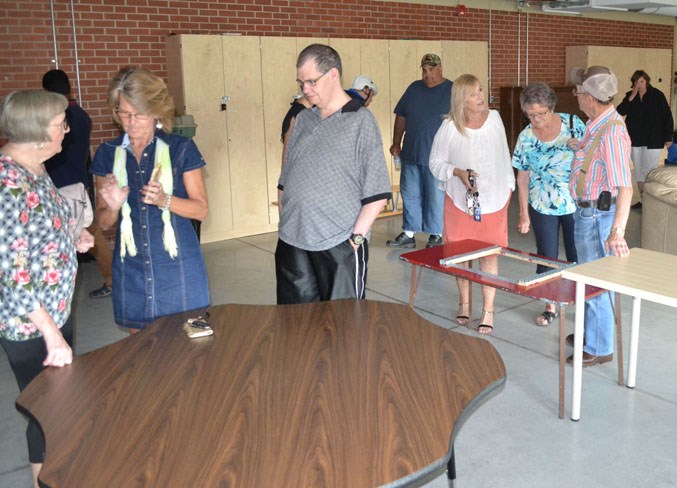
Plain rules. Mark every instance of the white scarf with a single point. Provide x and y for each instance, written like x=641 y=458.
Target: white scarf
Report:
x=164 y=163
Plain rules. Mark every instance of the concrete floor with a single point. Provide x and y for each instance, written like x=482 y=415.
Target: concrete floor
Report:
x=626 y=438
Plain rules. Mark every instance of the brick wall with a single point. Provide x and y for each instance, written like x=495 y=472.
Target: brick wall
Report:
x=112 y=34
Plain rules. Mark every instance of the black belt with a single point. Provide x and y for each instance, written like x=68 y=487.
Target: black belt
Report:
x=592 y=203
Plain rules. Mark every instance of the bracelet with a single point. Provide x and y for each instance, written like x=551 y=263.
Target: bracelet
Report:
x=168 y=202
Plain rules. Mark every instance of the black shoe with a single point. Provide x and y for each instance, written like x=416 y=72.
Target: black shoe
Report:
x=636 y=206
x=434 y=240
x=102 y=292
x=402 y=241
x=570 y=340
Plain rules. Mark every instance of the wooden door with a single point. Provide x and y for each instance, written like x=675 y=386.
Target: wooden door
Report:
x=245 y=132
x=196 y=81
x=278 y=72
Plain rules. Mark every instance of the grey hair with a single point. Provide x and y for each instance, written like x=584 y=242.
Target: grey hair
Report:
x=325 y=58
x=25 y=115
x=538 y=94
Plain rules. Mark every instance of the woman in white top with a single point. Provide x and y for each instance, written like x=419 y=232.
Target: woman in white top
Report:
x=471 y=159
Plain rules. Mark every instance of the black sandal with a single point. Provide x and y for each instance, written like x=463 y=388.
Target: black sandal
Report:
x=546 y=318
x=102 y=292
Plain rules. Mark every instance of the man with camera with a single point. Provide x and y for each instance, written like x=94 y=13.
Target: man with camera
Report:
x=602 y=188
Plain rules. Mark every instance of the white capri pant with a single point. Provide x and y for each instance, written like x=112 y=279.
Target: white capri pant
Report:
x=644 y=160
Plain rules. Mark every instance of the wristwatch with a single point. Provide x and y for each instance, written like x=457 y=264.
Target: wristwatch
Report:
x=357 y=239
x=619 y=231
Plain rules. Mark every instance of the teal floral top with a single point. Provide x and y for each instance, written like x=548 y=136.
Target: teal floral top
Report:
x=37 y=254
x=549 y=166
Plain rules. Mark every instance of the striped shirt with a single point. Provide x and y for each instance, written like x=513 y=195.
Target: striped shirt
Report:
x=610 y=165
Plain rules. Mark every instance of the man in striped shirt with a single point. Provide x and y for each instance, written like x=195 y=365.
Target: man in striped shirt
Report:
x=602 y=187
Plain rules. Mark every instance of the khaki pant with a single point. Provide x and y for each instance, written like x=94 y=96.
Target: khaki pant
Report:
x=101 y=251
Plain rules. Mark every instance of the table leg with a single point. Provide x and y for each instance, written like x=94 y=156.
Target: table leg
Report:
x=413 y=286
x=634 y=341
x=578 y=352
x=619 y=338
x=451 y=468
x=562 y=358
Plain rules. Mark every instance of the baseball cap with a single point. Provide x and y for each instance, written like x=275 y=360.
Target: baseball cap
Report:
x=430 y=60
x=598 y=81
x=361 y=81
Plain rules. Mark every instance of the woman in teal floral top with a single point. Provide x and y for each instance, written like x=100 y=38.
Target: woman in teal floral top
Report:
x=37 y=249
x=543 y=159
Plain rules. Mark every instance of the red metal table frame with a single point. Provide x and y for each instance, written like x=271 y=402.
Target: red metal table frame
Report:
x=558 y=290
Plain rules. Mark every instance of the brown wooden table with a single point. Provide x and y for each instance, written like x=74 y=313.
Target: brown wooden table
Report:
x=334 y=394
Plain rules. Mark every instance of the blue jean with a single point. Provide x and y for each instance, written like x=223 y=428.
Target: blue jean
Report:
x=422 y=200
x=546 y=230
x=592 y=227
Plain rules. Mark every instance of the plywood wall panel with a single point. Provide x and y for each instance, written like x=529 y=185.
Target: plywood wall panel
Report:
x=461 y=57
x=242 y=144
x=278 y=70
x=623 y=61
x=197 y=89
x=245 y=129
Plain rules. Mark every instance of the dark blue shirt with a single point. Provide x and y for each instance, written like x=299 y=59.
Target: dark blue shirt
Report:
x=70 y=165
x=424 y=109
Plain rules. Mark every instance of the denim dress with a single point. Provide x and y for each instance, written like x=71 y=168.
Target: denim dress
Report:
x=152 y=284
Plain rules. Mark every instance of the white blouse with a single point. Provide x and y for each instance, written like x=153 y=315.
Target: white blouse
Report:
x=485 y=151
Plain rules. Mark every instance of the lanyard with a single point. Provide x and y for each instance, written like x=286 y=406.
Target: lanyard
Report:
x=472 y=197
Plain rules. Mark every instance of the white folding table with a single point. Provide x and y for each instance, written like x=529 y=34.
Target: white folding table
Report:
x=645 y=274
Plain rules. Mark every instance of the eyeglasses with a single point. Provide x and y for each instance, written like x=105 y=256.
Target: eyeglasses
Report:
x=540 y=115
x=64 y=125
x=575 y=92
x=310 y=83
x=128 y=116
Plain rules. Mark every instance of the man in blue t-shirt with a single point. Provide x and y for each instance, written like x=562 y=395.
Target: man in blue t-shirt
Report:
x=419 y=114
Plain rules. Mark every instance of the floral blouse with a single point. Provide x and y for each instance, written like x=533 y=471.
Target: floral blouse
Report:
x=37 y=254
x=549 y=165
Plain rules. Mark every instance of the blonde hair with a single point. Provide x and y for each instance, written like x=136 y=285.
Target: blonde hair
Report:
x=25 y=115
x=460 y=93
x=145 y=91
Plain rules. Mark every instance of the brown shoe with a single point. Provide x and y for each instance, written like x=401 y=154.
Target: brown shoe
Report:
x=591 y=360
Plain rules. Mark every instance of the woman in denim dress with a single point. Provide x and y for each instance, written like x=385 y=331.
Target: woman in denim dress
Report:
x=149 y=183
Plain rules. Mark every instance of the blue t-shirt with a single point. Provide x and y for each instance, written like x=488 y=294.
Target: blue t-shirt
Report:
x=70 y=165
x=424 y=109
x=549 y=166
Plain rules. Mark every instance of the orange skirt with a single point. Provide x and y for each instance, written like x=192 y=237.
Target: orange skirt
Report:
x=458 y=225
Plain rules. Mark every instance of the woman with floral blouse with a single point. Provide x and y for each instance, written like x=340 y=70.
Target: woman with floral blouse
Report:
x=37 y=249
x=543 y=158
